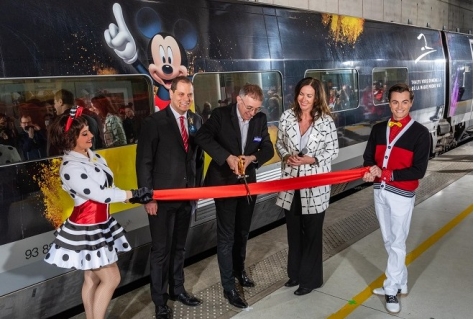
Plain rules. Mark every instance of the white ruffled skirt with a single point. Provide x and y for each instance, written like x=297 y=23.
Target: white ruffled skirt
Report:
x=87 y=247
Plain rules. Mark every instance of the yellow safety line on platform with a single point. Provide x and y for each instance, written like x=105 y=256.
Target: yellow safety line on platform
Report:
x=367 y=292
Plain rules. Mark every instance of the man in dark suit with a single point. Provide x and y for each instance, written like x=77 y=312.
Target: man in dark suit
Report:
x=233 y=132
x=168 y=157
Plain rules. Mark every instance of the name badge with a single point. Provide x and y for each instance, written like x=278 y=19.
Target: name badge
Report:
x=257 y=139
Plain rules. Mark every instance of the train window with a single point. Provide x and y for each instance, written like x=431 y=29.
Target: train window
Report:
x=219 y=89
x=35 y=102
x=212 y=90
x=341 y=87
x=383 y=79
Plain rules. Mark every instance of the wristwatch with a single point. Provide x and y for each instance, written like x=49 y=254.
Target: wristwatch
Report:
x=316 y=162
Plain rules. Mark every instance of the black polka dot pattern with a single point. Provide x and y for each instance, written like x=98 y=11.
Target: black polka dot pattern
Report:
x=88 y=246
x=89 y=259
x=85 y=179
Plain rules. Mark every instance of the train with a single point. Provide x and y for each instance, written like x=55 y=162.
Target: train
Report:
x=94 y=47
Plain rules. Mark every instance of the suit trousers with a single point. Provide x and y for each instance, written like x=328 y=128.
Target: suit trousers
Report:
x=394 y=215
x=234 y=216
x=169 y=229
x=305 y=245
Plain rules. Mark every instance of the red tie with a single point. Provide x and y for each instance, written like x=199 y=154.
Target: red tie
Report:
x=184 y=133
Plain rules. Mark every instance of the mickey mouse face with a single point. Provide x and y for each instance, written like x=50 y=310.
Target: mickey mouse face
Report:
x=167 y=55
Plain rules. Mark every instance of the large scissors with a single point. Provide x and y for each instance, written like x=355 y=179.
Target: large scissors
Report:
x=241 y=167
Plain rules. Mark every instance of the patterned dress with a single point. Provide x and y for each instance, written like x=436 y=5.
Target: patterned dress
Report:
x=114 y=134
x=90 y=238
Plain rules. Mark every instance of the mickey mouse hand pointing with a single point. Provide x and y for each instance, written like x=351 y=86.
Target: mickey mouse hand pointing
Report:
x=119 y=38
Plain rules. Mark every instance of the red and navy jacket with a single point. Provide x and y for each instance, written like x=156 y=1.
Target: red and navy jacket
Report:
x=403 y=160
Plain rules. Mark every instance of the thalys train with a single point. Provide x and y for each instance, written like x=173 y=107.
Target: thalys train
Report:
x=104 y=47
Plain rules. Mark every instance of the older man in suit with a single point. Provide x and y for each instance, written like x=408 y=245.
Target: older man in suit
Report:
x=234 y=133
x=168 y=157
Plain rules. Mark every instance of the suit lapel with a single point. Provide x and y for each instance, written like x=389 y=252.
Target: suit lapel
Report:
x=293 y=132
x=192 y=125
x=314 y=133
x=235 y=125
x=174 y=126
x=251 y=132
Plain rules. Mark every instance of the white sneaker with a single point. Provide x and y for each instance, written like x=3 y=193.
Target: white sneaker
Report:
x=391 y=304
x=381 y=292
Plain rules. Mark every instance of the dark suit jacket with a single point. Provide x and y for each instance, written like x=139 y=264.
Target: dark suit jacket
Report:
x=162 y=162
x=220 y=137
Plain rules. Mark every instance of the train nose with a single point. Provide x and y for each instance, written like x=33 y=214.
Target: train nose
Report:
x=167 y=69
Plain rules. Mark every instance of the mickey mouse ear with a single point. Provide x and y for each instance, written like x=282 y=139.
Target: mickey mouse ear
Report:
x=148 y=22
x=186 y=34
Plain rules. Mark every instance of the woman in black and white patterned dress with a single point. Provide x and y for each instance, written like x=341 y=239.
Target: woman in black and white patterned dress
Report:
x=307 y=143
x=90 y=238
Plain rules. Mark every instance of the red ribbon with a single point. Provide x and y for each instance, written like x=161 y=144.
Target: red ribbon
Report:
x=261 y=187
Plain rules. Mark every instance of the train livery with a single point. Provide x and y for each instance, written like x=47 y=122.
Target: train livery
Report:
x=103 y=47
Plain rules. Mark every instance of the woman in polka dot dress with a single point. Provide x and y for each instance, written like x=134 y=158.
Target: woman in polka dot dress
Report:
x=90 y=238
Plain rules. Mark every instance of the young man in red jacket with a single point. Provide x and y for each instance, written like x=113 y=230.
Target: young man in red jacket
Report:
x=397 y=152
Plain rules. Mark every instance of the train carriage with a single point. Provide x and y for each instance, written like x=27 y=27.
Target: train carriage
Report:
x=222 y=45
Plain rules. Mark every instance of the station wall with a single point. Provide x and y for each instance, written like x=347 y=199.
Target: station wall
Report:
x=453 y=15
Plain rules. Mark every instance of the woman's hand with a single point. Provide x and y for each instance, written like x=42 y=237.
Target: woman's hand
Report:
x=295 y=160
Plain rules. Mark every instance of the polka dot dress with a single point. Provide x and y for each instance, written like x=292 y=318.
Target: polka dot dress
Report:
x=89 y=238
x=8 y=154
x=87 y=246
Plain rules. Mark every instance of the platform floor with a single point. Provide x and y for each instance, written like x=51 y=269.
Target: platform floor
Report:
x=440 y=261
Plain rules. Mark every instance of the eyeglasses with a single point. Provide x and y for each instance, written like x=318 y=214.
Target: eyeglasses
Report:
x=251 y=108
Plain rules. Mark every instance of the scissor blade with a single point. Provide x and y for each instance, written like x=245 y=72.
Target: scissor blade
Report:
x=249 y=198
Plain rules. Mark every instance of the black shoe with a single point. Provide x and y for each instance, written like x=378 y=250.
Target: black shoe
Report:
x=163 y=312
x=291 y=283
x=235 y=299
x=302 y=291
x=244 y=280
x=187 y=299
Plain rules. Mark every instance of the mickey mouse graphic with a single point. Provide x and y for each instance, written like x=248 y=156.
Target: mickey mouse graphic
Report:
x=167 y=56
